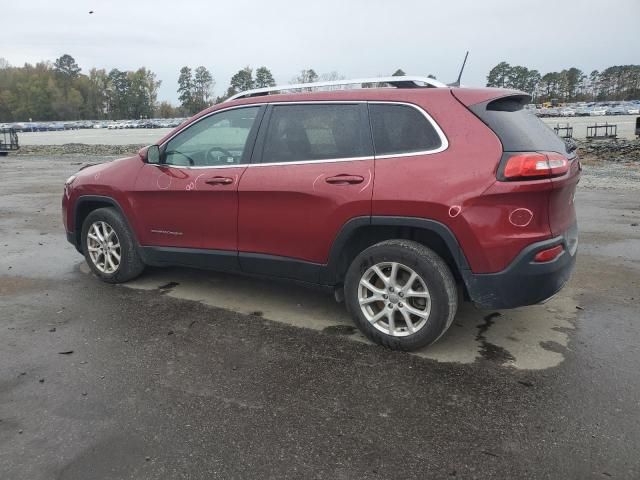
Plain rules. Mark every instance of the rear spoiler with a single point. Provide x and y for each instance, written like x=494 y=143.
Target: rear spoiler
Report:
x=503 y=112
x=473 y=96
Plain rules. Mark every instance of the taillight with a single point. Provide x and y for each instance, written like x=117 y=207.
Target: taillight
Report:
x=535 y=165
x=548 y=254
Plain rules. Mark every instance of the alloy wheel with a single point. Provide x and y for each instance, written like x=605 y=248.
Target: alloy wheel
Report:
x=394 y=299
x=104 y=247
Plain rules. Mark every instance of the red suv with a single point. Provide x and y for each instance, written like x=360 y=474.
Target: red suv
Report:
x=403 y=199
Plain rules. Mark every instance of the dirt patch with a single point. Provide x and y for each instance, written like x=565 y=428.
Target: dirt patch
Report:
x=21 y=285
x=79 y=149
x=619 y=150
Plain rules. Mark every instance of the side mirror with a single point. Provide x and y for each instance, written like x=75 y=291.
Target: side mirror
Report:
x=153 y=154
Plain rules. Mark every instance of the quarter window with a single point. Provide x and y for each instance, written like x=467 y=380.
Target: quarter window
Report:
x=217 y=140
x=401 y=129
x=316 y=132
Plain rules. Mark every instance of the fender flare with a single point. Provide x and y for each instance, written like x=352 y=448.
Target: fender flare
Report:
x=82 y=199
x=330 y=275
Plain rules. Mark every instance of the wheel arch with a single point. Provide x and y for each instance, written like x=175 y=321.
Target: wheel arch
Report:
x=362 y=232
x=86 y=204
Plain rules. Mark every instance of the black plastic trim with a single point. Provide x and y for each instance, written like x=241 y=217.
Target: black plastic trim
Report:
x=281 y=267
x=76 y=241
x=439 y=228
x=71 y=238
x=288 y=267
x=329 y=276
x=219 y=260
x=523 y=282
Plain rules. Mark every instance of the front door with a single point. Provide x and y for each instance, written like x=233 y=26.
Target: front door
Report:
x=314 y=173
x=190 y=199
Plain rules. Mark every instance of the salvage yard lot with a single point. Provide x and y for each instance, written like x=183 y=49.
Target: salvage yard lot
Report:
x=626 y=130
x=190 y=374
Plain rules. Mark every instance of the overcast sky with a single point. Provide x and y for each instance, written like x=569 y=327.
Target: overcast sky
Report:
x=356 y=38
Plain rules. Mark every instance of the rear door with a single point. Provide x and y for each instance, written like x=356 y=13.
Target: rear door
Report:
x=314 y=171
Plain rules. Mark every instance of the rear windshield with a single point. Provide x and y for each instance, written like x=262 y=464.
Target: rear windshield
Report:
x=517 y=129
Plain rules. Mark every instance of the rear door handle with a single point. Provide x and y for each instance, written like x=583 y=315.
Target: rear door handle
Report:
x=344 y=179
x=219 y=181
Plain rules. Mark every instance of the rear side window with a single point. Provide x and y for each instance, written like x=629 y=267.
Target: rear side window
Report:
x=401 y=129
x=316 y=132
x=518 y=129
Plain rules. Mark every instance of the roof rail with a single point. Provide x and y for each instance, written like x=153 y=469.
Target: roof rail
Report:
x=398 y=82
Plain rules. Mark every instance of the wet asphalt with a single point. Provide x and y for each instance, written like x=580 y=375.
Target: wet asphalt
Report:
x=108 y=382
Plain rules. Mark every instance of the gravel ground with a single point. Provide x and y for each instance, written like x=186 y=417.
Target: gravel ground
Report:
x=166 y=380
x=610 y=176
x=79 y=149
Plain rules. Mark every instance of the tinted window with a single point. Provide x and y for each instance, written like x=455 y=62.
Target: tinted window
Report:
x=401 y=129
x=315 y=132
x=518 y=130
x=214 y=141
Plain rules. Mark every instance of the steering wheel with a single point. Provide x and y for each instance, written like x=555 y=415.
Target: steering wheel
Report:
x=189 y=159
x=213 y=159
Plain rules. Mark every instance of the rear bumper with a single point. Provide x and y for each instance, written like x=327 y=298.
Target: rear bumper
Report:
x=525 y=282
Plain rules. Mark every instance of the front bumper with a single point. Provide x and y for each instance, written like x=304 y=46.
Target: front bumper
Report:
x=72 y=238
x=525 y=282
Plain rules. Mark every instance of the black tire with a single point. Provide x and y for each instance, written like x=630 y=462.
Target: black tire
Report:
x=432 y=270
x=131 y=264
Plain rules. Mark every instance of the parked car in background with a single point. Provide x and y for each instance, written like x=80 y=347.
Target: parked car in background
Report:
x=599 y=111
x=617 y=110
x=567 y=112
x=583 y=111
x=345 y=189
x=632 y=109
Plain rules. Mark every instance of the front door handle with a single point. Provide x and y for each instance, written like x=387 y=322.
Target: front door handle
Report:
x=344 y=179
x=219 y=181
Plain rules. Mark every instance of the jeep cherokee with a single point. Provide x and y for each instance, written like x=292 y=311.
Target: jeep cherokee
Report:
x=401 y=197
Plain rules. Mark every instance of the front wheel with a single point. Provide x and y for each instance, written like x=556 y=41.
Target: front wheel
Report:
x=109 y=247
x=401 y=294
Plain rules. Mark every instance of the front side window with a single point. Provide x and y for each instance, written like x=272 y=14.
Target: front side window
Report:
x=401 y=129
x=217 y=140
x=316 y=132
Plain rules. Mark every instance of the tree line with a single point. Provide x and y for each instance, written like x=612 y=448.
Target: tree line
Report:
x=619 y=82
x=59 y=91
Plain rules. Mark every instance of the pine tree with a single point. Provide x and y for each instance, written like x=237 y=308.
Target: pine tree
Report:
x=185 y=89
x=264 y=78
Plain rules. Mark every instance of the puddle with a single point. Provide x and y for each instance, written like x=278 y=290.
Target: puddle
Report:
x=515 y=338
x=340 y=330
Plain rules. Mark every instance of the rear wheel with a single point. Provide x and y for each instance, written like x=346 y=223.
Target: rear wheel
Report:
x=401 y=294
x=109 y=247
